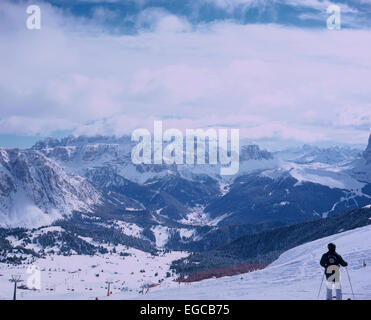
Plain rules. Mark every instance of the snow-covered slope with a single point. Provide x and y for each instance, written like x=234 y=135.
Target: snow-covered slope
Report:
x=295 y=275
x=84 y=276
x=325 y=166
x=332 y=176
x=312 y=154
x=35 y=191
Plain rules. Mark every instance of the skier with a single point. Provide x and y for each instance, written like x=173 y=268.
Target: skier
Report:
x=331 y=261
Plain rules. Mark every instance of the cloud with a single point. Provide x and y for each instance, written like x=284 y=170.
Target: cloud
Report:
x=268 y=80
x=354 y=116
x=231 y=5
x=320 y=5
x=160 y=20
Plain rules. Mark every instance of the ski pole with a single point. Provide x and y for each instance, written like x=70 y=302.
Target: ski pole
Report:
x=319 y=291
x=351 y=287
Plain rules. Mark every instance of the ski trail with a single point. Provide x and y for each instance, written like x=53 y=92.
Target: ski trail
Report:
x=295 y=275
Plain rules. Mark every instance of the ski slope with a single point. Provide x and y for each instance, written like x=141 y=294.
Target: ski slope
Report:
x=84 y=277
x=295 y=275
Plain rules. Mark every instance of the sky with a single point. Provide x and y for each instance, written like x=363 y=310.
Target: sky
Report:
x=269 y=68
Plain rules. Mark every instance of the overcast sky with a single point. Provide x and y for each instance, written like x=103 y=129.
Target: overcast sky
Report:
x=270 y=68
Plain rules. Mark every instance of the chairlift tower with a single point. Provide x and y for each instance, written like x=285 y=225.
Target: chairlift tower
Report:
x=15 y=279
x=109 y=287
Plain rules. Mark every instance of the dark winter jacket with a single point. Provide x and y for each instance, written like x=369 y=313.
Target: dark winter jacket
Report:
x=332 y=258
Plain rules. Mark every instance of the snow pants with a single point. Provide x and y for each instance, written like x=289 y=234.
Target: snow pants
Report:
x=339 y=295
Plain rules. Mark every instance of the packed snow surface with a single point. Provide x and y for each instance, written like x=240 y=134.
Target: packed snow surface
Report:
x=84 y=277
x=295 y=275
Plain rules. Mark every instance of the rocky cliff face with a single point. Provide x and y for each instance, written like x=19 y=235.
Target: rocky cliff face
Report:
x=80 y=154
x=362 y=168
x=253 y=152
x=35 y=190
x=367 y=153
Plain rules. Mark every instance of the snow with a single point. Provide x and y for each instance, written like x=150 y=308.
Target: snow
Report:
x=295 y=275
x=187 y=233
x=75 y=277
x=37 y=191
x=130 y=229
x=217 y=220
x=193 y=172
x=23 y=213
x=309 y=154
x=224 y=188
x=361 y=169
x=196 y=217
x=161 y=234
x=283 y=203
x=255 y=165
x=81 y=154
x=327 y=178
x=332 y=176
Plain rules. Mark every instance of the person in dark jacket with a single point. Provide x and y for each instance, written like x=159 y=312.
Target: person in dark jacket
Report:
x=331 y=261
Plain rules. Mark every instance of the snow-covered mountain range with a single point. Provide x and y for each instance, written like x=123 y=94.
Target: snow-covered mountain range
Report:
x=57 y=177
x=312 y=154
x=83 y=196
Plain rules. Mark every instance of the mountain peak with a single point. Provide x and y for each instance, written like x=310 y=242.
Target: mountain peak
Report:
x=79 y=140
x=367 y=152
x=253 y=152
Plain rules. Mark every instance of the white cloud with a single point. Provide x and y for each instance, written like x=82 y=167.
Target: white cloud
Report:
x=159 y=20
x=231 y=5
x=320 y=5
x=268 y=80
